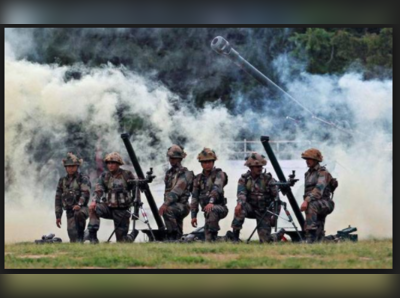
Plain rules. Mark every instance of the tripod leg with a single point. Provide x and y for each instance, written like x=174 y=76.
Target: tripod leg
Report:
x=276 y=211
x=112 y=234
x=298 y=233
x=257 y=226
x=146 y=221
x=119 y=224
x=251 y=235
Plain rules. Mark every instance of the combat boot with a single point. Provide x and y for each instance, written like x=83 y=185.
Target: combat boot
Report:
x=171 y=236
x=214 y=236
x=207 y=236
x=236 y=234
x=131 y=236
x=93 y=237
x=81 y=234
x=311 y=236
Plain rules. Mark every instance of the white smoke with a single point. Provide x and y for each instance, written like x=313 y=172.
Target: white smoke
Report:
x=39 y=101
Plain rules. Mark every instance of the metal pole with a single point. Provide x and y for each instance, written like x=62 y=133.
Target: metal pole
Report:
x=146 y=189
x=285 y=190
x=222 y=46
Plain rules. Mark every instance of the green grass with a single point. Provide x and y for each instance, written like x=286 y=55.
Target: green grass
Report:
x=363 y=254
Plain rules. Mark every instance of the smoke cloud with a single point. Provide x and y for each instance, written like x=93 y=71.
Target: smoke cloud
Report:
x=42 y=101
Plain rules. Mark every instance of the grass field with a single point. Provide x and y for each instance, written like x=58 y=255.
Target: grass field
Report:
x=363 y=254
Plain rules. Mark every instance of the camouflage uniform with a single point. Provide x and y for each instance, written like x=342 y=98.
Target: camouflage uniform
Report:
x=256 y=195
x=71 y=191
x=178 y=185
x=317 y=193
x=210 y=189
x=119 y=195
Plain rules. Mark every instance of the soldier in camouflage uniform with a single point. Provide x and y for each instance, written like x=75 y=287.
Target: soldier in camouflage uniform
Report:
x=317 y=204
x=178 y=185
x=255 y=195
x=117 y=186
x=208 y=191
x=72 y=195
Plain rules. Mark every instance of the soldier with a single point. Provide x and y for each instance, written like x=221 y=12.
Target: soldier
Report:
x=178 y=185
x=208 y=191
x=317 y=204
x=72 y=195
x=117 y=186
x=255 y=196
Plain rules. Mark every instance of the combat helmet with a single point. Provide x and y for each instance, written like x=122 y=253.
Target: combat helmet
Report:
x=312 y=154
x=207 y=154
x=72 y=160
x=255 y=159
x=176 y=151
x=114 y=157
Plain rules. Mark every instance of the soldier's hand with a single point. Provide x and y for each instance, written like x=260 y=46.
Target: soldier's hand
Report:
x=238 y=210
x=162 y=209
x=58 y=222
x=208 y=208
x=304 y=206
x=194 y=222
x=92 y=206
x=76 y=208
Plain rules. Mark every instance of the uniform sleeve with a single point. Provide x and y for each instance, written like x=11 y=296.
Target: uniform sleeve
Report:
x=322 y=183
x=241 y=191
x=178 y=190
x=218 y=186
x=99 y=189
x=58 y=202
x=85 y=191
x=194 y=204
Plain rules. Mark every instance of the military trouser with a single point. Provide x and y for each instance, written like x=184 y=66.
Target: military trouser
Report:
x=120 y=216
x=251 y=211
x=173 y=218
x=212 y=221
x=315 y=217
x=76 y=222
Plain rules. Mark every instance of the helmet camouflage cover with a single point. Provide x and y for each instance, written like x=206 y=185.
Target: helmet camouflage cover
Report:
x=207 y=154
x=255 y=159
x=176 y=151
x=114 y=157
x=312 y=154
x=72 y=160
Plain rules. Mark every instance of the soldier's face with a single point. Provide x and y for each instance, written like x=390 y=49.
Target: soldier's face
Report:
x=256 y=170
x=112 y=166
x=311 y=162
x=71 y=169
x=174 y=161
x=207 y=165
